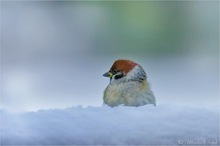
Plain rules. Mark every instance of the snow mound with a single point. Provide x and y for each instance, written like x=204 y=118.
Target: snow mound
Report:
x=147 y=125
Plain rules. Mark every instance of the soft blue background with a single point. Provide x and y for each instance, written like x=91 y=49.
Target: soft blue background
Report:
x=53 y=54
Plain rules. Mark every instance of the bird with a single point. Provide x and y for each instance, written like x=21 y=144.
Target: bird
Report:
x=128 y=85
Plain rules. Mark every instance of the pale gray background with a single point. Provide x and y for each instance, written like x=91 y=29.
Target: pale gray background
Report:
x=53 y=54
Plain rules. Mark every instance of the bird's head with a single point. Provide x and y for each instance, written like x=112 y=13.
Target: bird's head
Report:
x=125 y=70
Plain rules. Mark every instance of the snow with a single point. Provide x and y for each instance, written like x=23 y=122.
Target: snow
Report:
x=146 y=125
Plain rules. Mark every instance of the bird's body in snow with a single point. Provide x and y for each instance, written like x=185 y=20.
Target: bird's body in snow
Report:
x=128 y=85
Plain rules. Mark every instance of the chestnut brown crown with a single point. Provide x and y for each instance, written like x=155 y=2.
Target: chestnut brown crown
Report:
x=121 y=68
x=122 y=65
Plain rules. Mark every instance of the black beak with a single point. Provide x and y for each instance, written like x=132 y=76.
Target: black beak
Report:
x=107 y=74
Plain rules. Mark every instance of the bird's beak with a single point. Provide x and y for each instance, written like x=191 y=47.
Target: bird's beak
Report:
x=108 y=74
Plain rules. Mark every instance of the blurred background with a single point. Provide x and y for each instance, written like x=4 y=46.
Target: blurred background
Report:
x=53 y=54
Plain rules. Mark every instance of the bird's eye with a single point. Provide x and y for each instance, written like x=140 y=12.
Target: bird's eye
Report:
x=114 y=71
x=119 y=75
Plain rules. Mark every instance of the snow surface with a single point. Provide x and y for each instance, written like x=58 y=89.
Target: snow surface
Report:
x=147 y=125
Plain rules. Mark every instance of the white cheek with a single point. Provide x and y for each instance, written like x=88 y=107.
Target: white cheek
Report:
x=113 y=79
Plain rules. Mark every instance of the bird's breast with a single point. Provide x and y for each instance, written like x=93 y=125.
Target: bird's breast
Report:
x=123 y=93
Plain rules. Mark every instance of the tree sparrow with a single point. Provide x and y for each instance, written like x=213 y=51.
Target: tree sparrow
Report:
x=128 y=85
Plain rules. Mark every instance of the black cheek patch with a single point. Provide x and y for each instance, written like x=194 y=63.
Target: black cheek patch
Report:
x=119 y=76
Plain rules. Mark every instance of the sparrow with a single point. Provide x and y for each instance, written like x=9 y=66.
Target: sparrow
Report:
x=128 y=85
